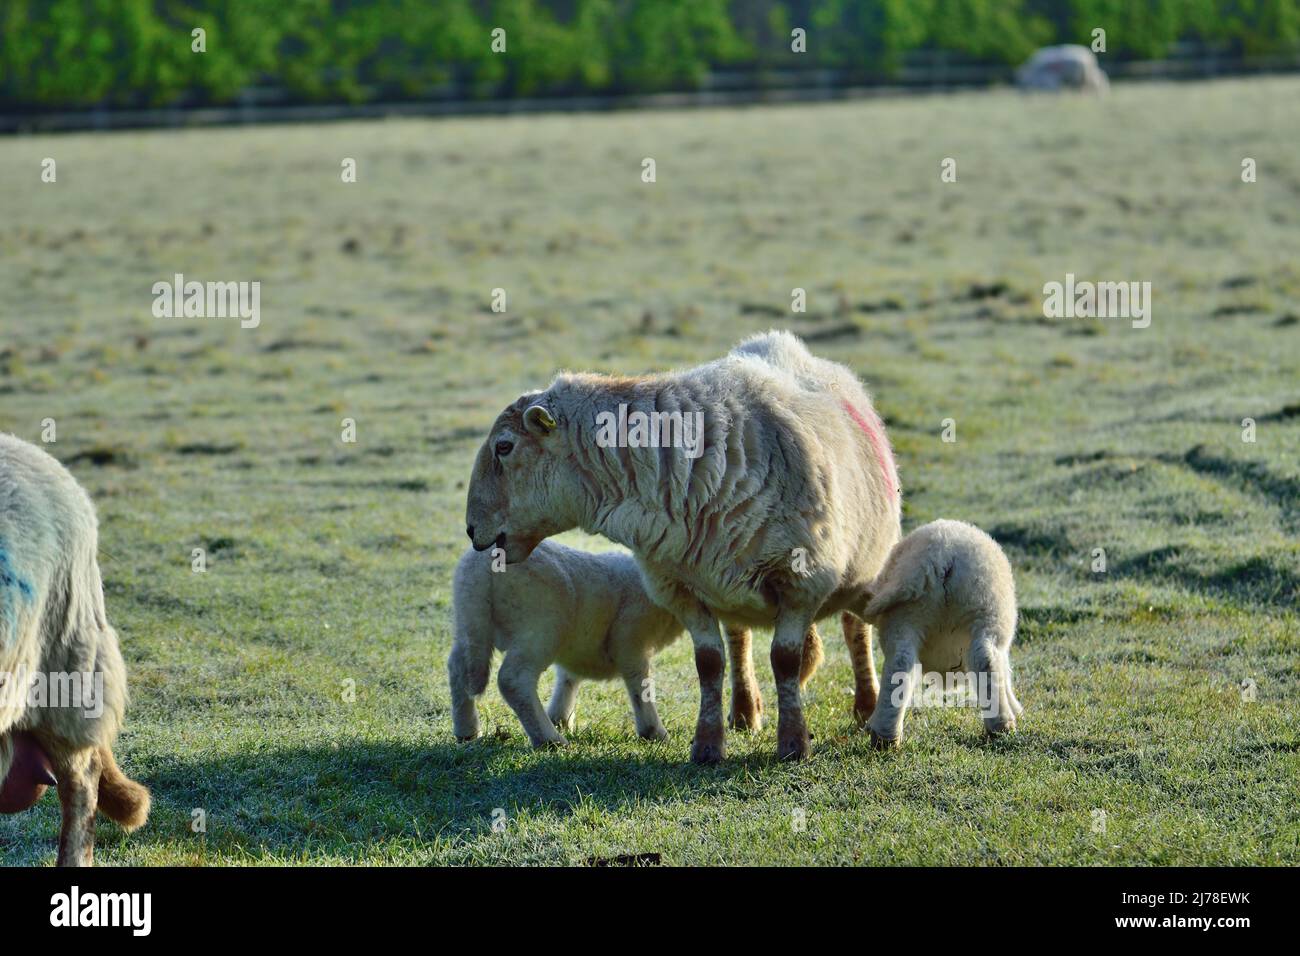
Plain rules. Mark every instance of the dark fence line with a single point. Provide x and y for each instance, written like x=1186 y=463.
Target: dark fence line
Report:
x=921 y=74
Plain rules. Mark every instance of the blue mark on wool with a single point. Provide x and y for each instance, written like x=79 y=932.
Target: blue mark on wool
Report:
x=10 y=581
x=8 y=578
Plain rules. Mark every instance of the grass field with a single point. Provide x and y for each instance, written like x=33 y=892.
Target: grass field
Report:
x=330 y=562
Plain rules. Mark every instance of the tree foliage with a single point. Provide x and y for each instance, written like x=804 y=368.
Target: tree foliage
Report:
x=138 y=52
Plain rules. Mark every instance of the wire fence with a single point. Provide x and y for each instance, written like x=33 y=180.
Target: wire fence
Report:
x=921 y=72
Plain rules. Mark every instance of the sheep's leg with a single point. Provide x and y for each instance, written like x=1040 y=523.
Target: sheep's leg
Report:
x=710 y=743
x=866 y=688
x=746 y=700
x=564 y=699
x=517 y=680
x=1012 y=700
x=464 y=713
x=989 y=665
x=902 y=673
x=78 y=774
x=644 y=712
x=792 y=742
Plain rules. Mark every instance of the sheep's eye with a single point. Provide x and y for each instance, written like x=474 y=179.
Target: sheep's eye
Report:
x=504 y=448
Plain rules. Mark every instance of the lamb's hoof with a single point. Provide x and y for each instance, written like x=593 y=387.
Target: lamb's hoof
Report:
x=652 y=733
x=707 y=752
x=555 y=744
x=884 y=743
x=793 y=745
x=466 y=739
x=563 y=723
x=1000 y=730
x=746 y=719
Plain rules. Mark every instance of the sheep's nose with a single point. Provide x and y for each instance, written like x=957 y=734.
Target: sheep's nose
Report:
x=501 y=541
x=469 y=530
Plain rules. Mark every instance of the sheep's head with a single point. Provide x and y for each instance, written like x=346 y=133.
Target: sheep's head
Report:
x=523 y=487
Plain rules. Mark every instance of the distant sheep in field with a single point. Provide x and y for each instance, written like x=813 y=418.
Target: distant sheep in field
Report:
x=54 y=628
x=777 y=508
x=588 y=614
x=945 y=603
x=1068 y=67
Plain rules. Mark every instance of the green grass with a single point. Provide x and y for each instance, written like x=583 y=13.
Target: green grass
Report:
x=331 y=562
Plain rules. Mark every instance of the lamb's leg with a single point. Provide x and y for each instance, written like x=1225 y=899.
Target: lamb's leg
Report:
x=902 y=672
x=644 y=712
x=564 y=699
x=464 y=713
x=517 y=679
x=989 y=664
x=78 y=773
x=792 y=742
x=710 y=743
x=866 y=687
x=746 y=700
x=1012 y=700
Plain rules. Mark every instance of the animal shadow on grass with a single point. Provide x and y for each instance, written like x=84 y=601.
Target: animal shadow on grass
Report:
x=319 y=799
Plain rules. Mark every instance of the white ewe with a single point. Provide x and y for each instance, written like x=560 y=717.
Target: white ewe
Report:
x=758 y=489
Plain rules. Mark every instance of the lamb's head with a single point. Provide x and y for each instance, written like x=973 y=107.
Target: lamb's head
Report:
x=524 y=486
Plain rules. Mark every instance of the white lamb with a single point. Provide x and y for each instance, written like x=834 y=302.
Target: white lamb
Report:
x=944 y=603
x=589 y=614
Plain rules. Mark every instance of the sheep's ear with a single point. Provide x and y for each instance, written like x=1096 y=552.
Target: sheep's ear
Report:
x=538 y=420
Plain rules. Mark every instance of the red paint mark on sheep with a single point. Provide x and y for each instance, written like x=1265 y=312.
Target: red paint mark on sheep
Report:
x=874 y=429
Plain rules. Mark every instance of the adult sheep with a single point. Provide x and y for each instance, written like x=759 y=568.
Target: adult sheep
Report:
x=778 y=511
x=54 y=631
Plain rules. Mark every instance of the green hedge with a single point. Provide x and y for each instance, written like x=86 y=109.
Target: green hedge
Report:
x=68 y=53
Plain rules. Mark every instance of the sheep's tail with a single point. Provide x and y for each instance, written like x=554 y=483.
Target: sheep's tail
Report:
x=121 y=799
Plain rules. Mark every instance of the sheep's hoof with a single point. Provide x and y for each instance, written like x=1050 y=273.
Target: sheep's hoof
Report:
x=793 y=745
x=652 y=733
x=1001 y=730
x=746 y=718
x=885 y=743
x=707 y=752
x=467 y=737
x=555 y=744
x=563 y=723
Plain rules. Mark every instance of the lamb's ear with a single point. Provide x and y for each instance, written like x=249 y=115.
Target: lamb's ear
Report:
x=538 y=420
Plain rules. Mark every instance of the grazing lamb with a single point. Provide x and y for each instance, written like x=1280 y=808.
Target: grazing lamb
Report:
x=587 y=613
x=945 y=603
x=758 y=489
x=54 y=631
